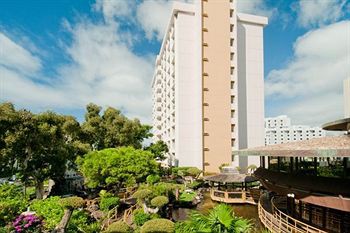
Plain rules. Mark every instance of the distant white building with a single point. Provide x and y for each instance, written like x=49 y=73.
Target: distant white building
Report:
x=279 y=130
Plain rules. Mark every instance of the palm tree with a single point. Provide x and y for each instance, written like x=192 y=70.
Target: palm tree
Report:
x=220 y=219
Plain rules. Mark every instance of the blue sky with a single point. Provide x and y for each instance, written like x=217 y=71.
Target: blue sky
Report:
x=61 y=55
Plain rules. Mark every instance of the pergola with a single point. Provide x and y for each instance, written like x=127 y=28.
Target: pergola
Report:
x=232 y=187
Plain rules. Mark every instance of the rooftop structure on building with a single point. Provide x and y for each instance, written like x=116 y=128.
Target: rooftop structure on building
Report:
x=208 y=85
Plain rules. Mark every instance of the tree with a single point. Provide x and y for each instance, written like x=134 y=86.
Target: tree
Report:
x=158 y=149
x=37 y=146
x=112 y=129
x=119 y=167
x=8 y=120
x=220 y=219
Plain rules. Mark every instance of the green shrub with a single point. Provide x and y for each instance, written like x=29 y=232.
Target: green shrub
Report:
x=193 y=171
x=12 y=203
x=49 y=209
x=72 y=202
x=118 y=227
x=81 y=222
x=152 y=179
x=195 y=184
x=52 y=212
x=187 y=197
x=159 y=225
x=142 y=194
x=159 y=201
x=108 y=202
x=140 y=217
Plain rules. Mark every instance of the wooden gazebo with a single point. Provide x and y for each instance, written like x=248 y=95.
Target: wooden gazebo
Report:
x=233 y=187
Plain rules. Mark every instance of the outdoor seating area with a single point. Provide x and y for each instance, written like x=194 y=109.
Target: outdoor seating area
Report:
x=233 y=188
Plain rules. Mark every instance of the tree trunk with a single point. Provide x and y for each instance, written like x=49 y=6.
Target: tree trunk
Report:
x=61 y=227
x=39 y=190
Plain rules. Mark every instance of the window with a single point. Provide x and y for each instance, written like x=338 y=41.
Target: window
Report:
x=232 y=56
x=232 y=99
x=231 y=42
x=233 y=142
x=232 y=84
x=232 y=113
x=232 y=70
x=231 y=27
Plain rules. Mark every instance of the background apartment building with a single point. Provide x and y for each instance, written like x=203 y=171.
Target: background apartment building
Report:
x=208 y=88
x=279 y=130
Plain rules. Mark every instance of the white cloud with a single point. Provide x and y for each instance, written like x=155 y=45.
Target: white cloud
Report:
x=311 y=83
x=115 y=8
x=315 y=13
x=257 y=7
x=103 y=70
x=15 y=57
x=153 y=16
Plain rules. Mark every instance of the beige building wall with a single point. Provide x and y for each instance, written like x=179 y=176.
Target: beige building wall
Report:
x=217 y=146
x=347 y=98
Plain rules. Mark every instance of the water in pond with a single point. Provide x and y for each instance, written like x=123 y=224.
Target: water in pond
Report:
x=243 y=210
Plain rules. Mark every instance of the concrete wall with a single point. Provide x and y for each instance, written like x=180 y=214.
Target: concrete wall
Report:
x=217 y=97
x=188 y=93
x=250 y=85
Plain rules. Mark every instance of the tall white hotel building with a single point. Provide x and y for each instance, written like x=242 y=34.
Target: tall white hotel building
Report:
x=208 y=85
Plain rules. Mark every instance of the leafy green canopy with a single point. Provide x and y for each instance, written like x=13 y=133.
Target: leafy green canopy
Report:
x=37 y=146
x=158 y=149
x=124 y=166
x=112 y=129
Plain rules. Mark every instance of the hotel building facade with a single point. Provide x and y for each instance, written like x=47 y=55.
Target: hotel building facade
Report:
x=208 y=85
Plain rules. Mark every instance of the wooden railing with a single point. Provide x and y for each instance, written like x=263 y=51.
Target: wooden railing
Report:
x=281 y=222
x=240 y=197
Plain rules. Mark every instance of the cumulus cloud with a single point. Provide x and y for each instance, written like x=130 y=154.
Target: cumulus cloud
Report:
x=114 y=9
x=103 y=69
x=257 y=7
x=315 y=13
x=311 y=83
x=153 y=15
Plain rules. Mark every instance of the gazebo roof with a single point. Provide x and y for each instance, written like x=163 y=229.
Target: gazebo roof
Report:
x=231 y=178
x=336 y=146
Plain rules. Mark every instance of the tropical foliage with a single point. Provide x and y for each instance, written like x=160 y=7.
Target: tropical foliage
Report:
x=220 y=219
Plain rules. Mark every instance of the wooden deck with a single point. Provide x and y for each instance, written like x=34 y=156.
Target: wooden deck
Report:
x=279 y=222
x=237 y=197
